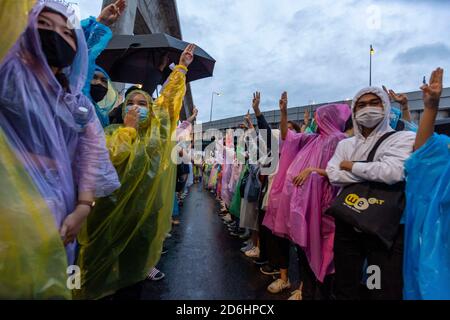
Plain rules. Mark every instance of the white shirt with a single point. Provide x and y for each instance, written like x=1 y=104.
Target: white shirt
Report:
x=388 y=162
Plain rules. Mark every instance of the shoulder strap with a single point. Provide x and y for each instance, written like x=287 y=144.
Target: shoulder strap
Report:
x=379 y=142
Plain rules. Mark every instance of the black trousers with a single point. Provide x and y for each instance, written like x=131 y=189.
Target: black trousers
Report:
x=278 y=251
x=313 y=289
x=351 y=249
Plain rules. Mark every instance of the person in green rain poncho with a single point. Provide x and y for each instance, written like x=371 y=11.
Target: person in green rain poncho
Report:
x=123 y=236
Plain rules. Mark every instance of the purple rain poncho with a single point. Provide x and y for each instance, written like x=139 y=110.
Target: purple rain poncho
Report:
x=62 y=149
x=299 y=215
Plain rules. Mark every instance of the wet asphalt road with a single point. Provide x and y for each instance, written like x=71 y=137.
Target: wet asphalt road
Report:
x=204 y=262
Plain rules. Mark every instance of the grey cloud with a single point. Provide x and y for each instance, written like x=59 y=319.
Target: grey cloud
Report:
x=424 y=53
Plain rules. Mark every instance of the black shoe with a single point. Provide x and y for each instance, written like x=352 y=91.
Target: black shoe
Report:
x=268 y=270
x=259 y=262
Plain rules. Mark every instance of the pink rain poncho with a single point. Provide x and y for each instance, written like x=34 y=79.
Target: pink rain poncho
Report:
x=62 y=148
x=227 y=169
x=299 y=215
x=289 y=149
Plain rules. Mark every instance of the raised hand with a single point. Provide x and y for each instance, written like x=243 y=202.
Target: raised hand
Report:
x=188 y=55
x=255 y=102
x=248 y=119
x=432 y=91
x=402 y=98
x=111 y=13
x=306 y=117
x=283 y=102
x=193 y=116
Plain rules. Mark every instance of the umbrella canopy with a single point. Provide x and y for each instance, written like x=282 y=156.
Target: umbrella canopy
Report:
x=136 y=58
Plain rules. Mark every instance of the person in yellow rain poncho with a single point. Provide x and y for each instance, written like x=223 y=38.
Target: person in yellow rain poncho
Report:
x=13 y=20
x=33 y=261
x=122 y=239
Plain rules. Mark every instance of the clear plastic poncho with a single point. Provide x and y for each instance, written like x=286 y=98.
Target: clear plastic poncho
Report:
x=122 y=239
x=426 y=268
x=61 y=148
x=33 y=261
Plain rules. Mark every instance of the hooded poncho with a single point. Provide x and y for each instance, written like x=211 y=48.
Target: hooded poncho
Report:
x=122 y=239
x=299 y=216
x=62 y=150
x=426 y=265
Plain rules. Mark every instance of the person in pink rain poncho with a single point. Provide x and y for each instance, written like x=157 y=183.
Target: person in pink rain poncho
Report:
x=301 y=193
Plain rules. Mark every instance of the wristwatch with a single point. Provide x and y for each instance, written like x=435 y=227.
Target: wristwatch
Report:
x=86 y=203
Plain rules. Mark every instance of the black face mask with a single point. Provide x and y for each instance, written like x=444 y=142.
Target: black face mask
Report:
x=58 y=52
x=98 y=92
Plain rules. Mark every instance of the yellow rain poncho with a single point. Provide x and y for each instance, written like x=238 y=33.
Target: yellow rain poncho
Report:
x=122 y=239
x=13 y=20
x=33 y=261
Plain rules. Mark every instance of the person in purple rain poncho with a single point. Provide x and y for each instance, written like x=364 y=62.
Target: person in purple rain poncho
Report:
x=49 y=123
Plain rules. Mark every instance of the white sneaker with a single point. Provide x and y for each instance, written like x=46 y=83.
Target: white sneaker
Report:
x=155 y=275
x=227 y=218
x=278 y=285
x=253 y=253
x=296 y=295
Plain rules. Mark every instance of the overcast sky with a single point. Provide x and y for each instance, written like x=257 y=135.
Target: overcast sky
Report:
x=317 y=51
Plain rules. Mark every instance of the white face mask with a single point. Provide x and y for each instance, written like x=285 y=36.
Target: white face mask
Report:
x=369 y=117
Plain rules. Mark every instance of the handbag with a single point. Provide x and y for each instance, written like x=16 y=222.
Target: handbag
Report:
x=253 y=186
x=372 y=207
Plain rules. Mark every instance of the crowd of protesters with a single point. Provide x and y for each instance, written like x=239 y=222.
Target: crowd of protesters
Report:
x=357 y=190
x=96 y=181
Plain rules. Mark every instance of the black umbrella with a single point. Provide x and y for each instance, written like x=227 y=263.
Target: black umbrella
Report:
x=136 y=58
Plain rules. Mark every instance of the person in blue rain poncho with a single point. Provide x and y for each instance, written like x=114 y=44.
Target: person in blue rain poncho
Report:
x=400 y=119
x=427 y=215
x=98 y=87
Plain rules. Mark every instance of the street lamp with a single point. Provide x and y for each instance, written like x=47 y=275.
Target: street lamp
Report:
x=372 y=52
x=212 y=102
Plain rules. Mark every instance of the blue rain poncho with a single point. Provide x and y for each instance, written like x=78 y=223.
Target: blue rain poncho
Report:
x=97 y=38
x=427 y=221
